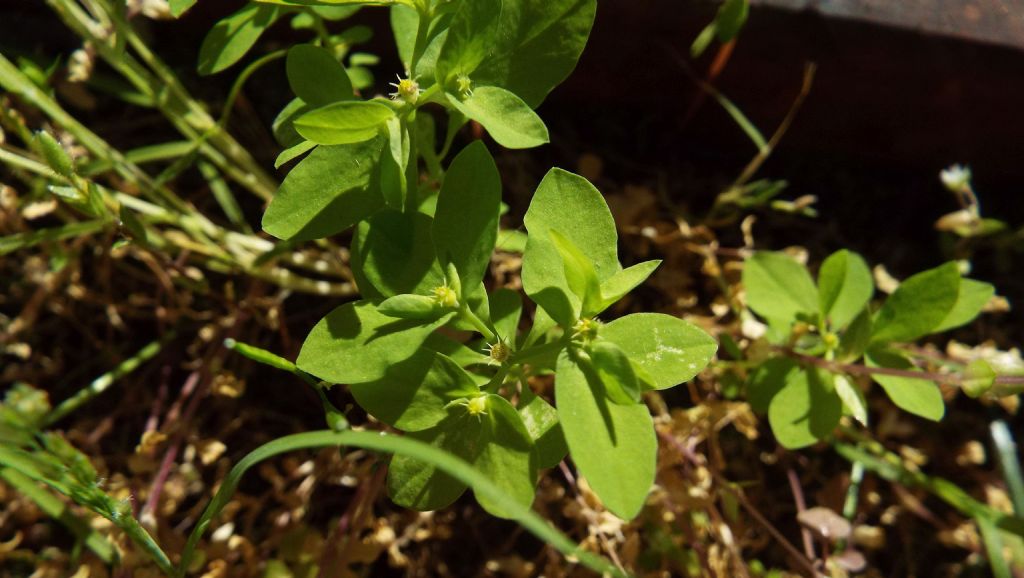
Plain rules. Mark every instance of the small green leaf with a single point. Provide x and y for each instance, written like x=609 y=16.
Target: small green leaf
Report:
x=571 y=205
x=844 y=287
x=326 y=193
x=615 y=372
x=918 y=396
x=294 y=152
x=853 y=399
x=56 y=157
x=730 y=19
x=670 y=350
x=806 y=409
x=506 y=308
x=316 y=76
x=579 y=274
x=495 y=442
x=541 y=420
x=778 y=287
x=413 y=394
x=918 y=305
x=612 y=445
x=355 y=343
x=618 y=285
x=404 y=22
x=233 y=36
x=971 y=299
x=283 y=126
x=394 y=159
x=344 y=122
x=466 y=219
x=392 y=254
x=509 y=120
x=411 y=307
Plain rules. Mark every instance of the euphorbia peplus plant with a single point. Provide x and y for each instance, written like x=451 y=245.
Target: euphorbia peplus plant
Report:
x=823 y=335
x=422 y=247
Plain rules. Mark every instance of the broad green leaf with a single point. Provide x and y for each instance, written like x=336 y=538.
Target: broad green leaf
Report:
x=506 y=308
x=918 y=305
x=767 y=380
x=536 y=47
x=670 y=350
x=615 y=371
x=466 y=219
x=233 y=36
x=853 y=398
x=411 y=307
x=612 y=445
x=541 y=420
x=326 y=193
x=579 y=274
x=355 y=343
x=844 y=287
x=471 y=36
x=316 y=76
x=392 y=254
x=413 y=394
x=496 y=443
x=571 y=205
x=730 y=19
x=806 y=409
x=179 y=7
x=509 y=120
x=618 y=285
x=778 y=287
x=972 y=297
x=344 y=122
x=918 y=396
x=405 y=24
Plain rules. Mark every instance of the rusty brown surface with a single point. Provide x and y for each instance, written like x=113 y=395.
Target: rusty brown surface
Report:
x=994 y=21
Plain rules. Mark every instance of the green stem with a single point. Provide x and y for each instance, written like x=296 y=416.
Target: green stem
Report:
x=478 y=323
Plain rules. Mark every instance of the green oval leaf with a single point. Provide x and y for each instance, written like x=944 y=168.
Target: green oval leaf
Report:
x=571 y=205
x=509 y=120
x=918 y=305
x=778 y=287
x=970 y=300
x=844 y=287
x=233 y=36
x=918 y=396
x=316 y=76
x=670 y=350
x=806 y=409
x=408 y=306
x=392 y=254
x=326 y=193
x=466 y=219
x=413 y=394
x=612 y=445
x=355 y=343
x=344 y=122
